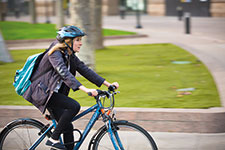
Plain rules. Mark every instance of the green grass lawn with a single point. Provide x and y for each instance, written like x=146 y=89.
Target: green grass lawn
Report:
x=21 y=30
x=145 y=73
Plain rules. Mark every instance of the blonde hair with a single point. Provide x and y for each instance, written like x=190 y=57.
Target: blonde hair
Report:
x=61 y=46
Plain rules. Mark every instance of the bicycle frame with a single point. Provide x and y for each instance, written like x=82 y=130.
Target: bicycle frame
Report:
x=90 y=124
x=92 y=121
x=99 y=110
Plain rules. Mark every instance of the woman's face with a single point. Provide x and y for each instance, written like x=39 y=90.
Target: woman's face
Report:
x=77 y=43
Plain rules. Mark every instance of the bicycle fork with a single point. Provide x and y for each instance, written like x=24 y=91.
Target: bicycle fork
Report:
x=114 y=136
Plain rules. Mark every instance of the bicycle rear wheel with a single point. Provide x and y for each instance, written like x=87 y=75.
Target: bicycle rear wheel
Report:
x=21 y=134
x=132 y=136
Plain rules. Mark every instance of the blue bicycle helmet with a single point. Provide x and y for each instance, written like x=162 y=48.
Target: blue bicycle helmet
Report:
x=69 y=32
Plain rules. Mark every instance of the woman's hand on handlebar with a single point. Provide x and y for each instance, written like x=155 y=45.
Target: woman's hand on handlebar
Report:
x=94 y=92
x=115 y=84
x=90 y=92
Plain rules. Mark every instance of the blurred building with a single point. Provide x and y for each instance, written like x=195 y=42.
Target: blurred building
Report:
x=116 y=7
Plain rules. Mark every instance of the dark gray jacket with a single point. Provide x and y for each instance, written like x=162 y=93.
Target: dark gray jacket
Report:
x=40 y=90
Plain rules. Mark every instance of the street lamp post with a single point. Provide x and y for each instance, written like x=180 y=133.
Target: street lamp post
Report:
x=138 y=16
x=122 y=9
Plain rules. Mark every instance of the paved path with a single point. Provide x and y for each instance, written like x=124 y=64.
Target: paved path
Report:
x=179 y=141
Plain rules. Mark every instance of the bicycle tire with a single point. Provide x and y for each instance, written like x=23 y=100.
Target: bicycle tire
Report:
x=132 y=136
x=20 y=134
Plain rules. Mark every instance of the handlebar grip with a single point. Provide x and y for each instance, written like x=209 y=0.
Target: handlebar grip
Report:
x=112 y=87
x=99 y=92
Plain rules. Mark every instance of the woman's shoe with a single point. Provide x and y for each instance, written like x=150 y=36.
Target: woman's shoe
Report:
x=55 y=144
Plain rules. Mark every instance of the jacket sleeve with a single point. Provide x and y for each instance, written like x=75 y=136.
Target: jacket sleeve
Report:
x=89 y=74
x=57 y=61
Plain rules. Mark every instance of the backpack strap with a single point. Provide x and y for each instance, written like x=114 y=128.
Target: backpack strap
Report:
x=40 y=75
x=37 y=64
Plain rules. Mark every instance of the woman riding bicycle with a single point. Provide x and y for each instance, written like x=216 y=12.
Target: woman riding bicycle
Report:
x=50 y=91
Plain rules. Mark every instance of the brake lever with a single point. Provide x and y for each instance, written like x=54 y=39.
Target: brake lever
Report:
x=116 y=92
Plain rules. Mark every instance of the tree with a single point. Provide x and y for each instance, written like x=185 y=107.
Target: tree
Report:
x=59 y=13
x=33 y=18
x=4 y=54
x=3 y=10
x=96 y=7
x=86 y=14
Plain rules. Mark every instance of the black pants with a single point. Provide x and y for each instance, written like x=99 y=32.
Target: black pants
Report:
x=63 y=109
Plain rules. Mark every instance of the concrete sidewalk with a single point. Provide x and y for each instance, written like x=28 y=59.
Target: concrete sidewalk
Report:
x=179 y=141
x=189 y=141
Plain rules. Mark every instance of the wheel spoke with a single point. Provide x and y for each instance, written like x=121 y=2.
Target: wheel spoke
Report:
x=29 y=136
x=20 y=135
x=128 y=136
x=21 y=138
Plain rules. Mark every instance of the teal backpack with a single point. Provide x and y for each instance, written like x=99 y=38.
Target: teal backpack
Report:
x=22 y=78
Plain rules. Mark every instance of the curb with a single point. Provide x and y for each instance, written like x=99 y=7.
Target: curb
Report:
x=50 y=40
x=154 y=120
x=44 y=43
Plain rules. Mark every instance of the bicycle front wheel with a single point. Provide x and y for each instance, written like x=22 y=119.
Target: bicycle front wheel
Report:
x=21 y=134
x=132 y=137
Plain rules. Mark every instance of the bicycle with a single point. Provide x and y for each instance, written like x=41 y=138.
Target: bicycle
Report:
x=29 y=134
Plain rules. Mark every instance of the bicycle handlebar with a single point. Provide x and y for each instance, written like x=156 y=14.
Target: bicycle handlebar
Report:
x=102 y=94
x=111 y=88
